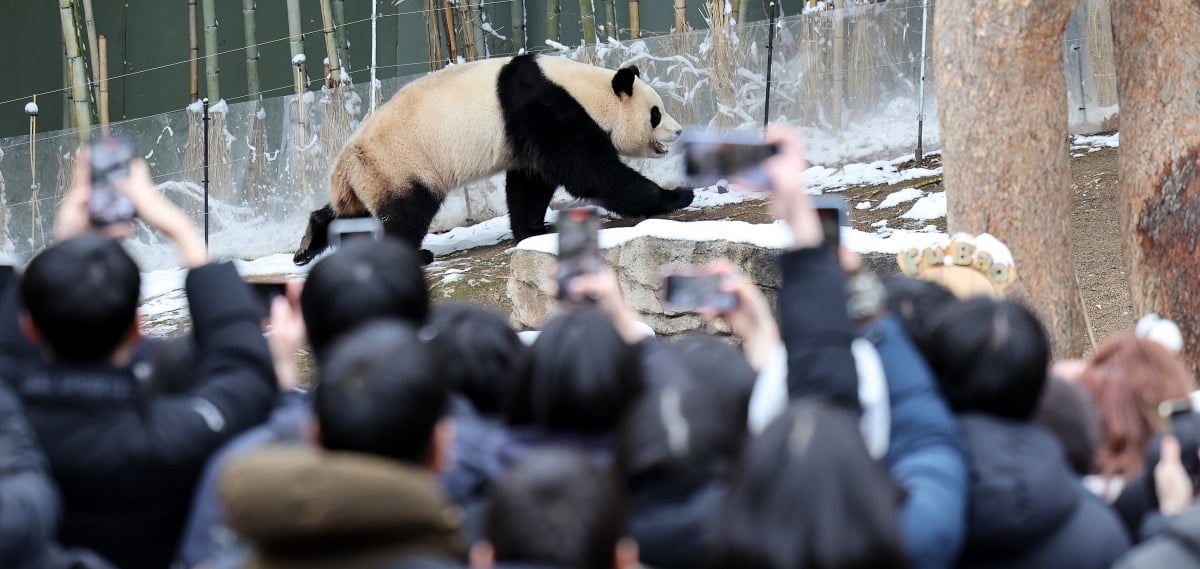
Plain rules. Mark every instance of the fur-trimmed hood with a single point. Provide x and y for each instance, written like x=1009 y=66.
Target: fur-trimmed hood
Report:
x=313 y=508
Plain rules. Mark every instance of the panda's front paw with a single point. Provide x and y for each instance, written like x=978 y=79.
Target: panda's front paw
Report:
x=678 y=198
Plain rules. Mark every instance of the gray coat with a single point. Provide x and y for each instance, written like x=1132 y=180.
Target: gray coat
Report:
x=1178 y=547
x=29 y=505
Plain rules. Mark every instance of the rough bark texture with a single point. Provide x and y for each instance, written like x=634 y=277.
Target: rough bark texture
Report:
x=1158 y=83
x=1001 y=92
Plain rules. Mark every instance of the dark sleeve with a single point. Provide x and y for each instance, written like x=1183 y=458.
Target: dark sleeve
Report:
x=816 y=329
x=29 y=505
x=234 y=378
x=13 y=345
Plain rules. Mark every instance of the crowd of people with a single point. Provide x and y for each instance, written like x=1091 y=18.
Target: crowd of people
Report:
x=865 y=423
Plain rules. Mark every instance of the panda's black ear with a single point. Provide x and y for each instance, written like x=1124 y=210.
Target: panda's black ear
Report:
x=623 y=81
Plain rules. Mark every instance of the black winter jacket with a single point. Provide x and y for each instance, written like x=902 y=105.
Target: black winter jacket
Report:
x=125 y=462
x=1027 y=510
x=28 y=500
x=816 y=329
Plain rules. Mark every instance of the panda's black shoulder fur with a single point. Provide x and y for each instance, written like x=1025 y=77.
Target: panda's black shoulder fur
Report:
x=554 y=141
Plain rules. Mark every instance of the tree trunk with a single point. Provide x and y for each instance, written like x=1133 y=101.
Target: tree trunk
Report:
x=212 y=72
x=635 y=20
x=77 y=82
x=193 y=52
x=681 y=16
x=553 y=11
x=334 y=76
x=518 y=25
x=1001 y=87
x=1158 y=78
x=339 y=30
x=587 y=19
x=252 y=87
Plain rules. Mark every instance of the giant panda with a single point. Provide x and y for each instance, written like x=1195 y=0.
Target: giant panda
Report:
x=544 y=121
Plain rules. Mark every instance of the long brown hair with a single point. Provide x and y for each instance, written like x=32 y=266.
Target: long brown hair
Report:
x=1128 y=378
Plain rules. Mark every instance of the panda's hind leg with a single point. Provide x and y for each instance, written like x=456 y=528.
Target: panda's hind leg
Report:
x=316 y=236
x=527 y=195
x=406 y=214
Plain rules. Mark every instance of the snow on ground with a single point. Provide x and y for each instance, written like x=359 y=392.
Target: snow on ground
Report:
x=877 y=173
x=931 y=206
x=898 y=197
x=1095 y=143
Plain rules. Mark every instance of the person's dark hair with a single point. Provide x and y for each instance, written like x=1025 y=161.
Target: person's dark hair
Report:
x=361 y=281
x=807 y=494
x=478 y=351
x=719 y=366
x=684 y=428
x=82 y=294
x=915 y=303
x=578 y=376
x=556 y=507
x=381 y=392
x=989 y=356
x=1066 y=410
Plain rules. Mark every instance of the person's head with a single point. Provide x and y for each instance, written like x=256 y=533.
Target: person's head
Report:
x=381 y=392
x=1128 y=378
x=578 y=376
x=80 y=299
x=1067 y=412
x=363 y=280
x=556 y=508
x=478 y=351
x=915 y=303
x=807 y=494
x=719 y=366
x=989 y=356
x=685 y=428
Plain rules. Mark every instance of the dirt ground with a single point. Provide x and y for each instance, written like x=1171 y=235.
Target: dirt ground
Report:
x=1095 y=225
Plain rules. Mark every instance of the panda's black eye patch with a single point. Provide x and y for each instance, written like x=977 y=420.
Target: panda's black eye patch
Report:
x=655 y=117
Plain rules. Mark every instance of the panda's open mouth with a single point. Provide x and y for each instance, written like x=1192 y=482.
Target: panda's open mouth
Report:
x=659 y=147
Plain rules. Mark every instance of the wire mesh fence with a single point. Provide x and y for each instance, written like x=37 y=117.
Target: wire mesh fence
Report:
x=851 y=79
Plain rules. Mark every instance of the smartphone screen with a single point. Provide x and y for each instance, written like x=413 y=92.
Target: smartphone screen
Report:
x=691 y=292
x=712 y=156
x=578 y=245
x=832 y=212
x=109 y=166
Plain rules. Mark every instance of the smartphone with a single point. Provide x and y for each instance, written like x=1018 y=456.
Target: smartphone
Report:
x=109 y=166
x=834 y=215
x=710 y=156
x=341 y=230
x=693 y=291
x=266 y=291
x=578 y=247
x=1180 y=420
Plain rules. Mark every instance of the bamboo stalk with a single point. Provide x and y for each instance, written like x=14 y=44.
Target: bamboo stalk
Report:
x=553 y=13
x=193 y=52
x=635 y=20
x=611 y=29
x=103 y=56
x=447 y=21
x=89 y=26
x=743 y=11
x=295 y=36
x=681 y=16
x=476 y=23
x=252 y=86
x=518 y=24
x=432 y=38
x=587 y=18
x=464 y=17
x=339 y=30
x=212 y=72
x=79 y=113
x=333 y=77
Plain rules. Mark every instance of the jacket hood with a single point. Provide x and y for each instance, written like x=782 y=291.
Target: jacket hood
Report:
x=1021 y=490
x=311 y=500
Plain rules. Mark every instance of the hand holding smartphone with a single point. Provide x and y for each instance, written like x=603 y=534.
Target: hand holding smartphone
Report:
x=714 y=155
x=110 y=158
x=693 y=290
x=578 y=248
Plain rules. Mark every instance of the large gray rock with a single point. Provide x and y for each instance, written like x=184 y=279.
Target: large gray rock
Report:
x=638 y=255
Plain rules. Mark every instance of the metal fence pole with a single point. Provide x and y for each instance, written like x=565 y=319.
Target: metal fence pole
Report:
x=921 y=86
x=204 y=181
x=770 y=60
